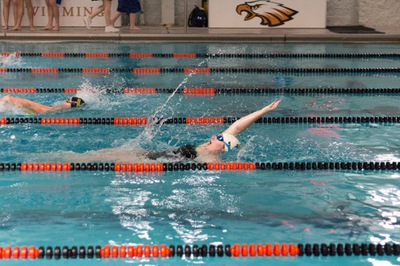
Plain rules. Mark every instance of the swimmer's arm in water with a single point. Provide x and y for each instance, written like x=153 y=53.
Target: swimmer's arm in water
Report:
x=34 y=107
x=63 y=106
x=243 y=123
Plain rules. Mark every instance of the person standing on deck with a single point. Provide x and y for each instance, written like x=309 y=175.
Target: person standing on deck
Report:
x=131 y=7
x=53 y=23
x=106 y=8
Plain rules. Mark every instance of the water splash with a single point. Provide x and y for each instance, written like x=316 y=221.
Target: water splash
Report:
x=95 y=95
x=11 y=61
x=158 y=118
x=7 y=108
x=247 y=150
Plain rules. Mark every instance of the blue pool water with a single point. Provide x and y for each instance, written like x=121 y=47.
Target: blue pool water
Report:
x=204 y=207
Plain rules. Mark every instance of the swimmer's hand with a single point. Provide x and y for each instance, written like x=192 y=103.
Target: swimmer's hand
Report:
x=243 y=123
x=270 y=107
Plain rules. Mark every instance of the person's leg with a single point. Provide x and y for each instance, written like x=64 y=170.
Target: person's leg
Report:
x=6 y=13
x=56 y=15
x=97 y=11
x=88 y=20
x=16 y=11
x=115 y=17
x=118 y=13
x=107 y=16
x=24 y=103
x=132 y=21
x=19 y=5
x=49 y=25
x=29 y=9
x=107 y=12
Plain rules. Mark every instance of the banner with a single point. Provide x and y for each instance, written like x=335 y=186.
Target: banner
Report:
x=267 y=14
x=71 y=13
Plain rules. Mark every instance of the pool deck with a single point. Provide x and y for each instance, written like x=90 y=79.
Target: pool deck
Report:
x=184 y=34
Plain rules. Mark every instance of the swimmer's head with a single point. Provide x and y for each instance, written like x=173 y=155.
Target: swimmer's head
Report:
x=75 y=102
x=229 y=141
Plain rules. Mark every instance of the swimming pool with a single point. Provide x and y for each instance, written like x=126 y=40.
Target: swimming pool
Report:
x=320 y=204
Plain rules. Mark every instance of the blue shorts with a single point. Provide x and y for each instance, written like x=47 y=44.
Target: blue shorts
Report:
x=129 y=6
x=58 y=2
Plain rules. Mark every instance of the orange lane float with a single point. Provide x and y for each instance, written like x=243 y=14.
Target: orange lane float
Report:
x=199 y=91
x=41 y=70
x=48 y=166
x=197 y=70
x=19 y=90
x=188 y=251
x=184 y=55
x=231 y=166
x=97 y=55
x=205 y=120
x=146 y=70
x=5 y=54
x=130 y=121
x=71 y=90
x=138 y=167
x=58 y=120
x=53 y=54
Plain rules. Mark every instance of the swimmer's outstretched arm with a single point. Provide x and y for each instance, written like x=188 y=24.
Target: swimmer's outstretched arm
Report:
x=62 y=106
x=243 y=123
x=34 y=107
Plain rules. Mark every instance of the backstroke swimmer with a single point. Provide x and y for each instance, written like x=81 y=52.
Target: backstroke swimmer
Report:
x=210 y=151
x=37 y=108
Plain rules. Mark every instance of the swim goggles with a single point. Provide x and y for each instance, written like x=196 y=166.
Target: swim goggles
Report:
x=221 y=138
x=75 y=102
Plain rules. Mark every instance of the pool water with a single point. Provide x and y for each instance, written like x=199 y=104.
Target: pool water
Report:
x=204 y=207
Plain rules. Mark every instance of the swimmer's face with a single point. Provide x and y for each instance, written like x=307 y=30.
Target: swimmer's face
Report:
x=67 y=102
x=214 y=145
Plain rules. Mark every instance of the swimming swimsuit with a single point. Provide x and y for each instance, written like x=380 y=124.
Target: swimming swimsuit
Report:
x=186 y=152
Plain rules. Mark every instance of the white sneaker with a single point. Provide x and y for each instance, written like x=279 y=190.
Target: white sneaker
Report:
x=87 y=22
x=111 y=29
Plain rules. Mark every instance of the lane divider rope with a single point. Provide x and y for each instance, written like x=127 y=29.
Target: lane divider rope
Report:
x=205 y=55
x=202 y=70
x=218 y=251
x=213 y=166
x=199 y=91
x=194 y=120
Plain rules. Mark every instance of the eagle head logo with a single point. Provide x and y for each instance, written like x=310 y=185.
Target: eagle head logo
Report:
x=270 y=13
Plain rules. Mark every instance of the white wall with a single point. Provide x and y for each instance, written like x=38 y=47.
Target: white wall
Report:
x=382 y=13
x=342 y=12
x=370 y=13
